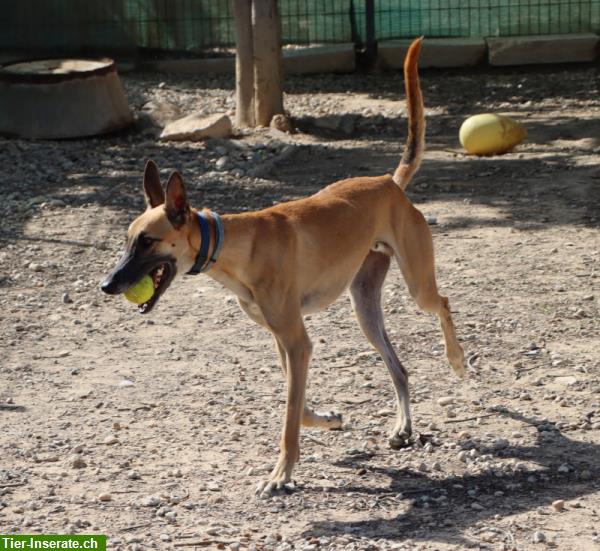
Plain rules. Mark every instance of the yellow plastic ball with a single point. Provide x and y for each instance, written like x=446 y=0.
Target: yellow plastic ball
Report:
x=490 y=134
x=141 y=292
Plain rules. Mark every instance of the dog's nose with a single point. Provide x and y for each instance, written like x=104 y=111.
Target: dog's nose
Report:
x=109 y=286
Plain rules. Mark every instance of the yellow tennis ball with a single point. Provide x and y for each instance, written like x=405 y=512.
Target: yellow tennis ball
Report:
x=490 y=134
x=141 y=292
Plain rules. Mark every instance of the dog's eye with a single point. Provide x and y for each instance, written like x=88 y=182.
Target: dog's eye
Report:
x=146 y=241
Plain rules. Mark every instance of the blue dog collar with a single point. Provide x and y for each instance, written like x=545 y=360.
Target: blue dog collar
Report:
x=203 y=262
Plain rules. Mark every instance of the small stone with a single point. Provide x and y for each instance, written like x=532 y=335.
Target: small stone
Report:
x=105 y=497
x=35 y=267
x=558 y=505
x=77 y=463
x=165 y=537
x=282 y=123
x=538 y=537
x=110 y=440
x=66 y=299
x=150 y=501
x=477 y=506
x=450 y=413
x=500 y=444
x=222 y=163
x=445 y=401
x=464 y=435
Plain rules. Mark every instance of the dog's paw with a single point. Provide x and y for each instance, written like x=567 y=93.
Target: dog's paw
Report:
x=400 y=439
x=457 y=362
x=278 y=481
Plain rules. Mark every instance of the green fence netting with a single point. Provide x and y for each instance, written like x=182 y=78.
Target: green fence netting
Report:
x=198 y=25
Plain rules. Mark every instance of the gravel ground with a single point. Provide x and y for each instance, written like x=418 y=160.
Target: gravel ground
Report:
x=156 y=430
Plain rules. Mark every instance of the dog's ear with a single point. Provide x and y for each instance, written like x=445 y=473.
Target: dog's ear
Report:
x=153 y=190
x=176 y=204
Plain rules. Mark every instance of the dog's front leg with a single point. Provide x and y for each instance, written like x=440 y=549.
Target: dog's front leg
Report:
x=297 y=346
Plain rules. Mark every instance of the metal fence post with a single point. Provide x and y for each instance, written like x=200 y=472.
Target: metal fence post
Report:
x=367 y=52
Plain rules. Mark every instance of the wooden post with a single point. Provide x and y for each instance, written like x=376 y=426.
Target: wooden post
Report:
x=266 y=36
x=244 y=64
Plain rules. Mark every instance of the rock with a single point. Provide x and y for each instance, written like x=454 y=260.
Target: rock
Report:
x=133 y=475
x=538 y=537
x=464 y=435
x=110 y=440
x=150 y=501
x=66 y=299
x=445 y=401
x=558 y=505
x=282 y=123
x=500 y=444
x=198 y=127
x=105 y=497
x=77 y=463
x=222 y=163
x=477 y=506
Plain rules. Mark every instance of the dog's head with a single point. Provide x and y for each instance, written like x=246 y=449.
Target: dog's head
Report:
x=158 y=241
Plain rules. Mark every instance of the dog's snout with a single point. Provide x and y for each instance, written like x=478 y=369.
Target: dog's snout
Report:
x=109 y=286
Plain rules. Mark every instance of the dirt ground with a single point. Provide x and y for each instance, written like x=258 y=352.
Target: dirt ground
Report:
x=155 y=430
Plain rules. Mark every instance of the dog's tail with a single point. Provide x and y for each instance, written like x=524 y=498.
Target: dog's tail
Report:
x=415 y=143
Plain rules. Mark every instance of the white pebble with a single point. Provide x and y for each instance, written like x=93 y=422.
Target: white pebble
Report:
x=445 y=401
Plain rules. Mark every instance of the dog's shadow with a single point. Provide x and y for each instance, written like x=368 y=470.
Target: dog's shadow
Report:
x=441 y=509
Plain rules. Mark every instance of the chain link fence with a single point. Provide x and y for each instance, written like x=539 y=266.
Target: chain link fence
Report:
x=193 y=27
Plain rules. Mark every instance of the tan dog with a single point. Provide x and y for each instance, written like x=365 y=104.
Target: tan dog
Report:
x=298 y=257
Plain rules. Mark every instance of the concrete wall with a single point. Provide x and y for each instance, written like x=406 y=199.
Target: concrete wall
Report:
x=436 y=53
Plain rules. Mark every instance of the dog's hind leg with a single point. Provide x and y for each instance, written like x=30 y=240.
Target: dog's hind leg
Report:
x=415 y=258
x=310 y=418
x=365 y=292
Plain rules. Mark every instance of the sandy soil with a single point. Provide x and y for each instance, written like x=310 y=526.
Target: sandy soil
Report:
x=155 y=430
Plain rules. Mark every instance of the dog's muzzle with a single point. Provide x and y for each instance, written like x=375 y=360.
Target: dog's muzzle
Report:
x=130 y=270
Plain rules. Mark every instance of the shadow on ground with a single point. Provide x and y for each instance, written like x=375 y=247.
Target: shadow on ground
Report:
x=442 y=508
